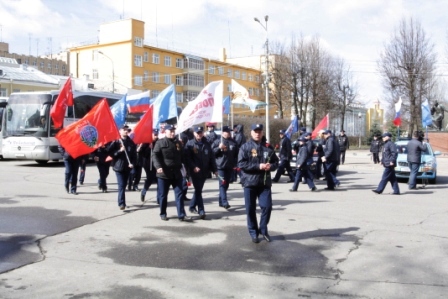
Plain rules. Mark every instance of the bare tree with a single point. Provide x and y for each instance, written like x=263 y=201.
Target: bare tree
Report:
x=279 y=79
x=407 y=65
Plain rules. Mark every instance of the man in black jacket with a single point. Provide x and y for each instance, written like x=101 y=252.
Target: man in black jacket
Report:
x=375 y=148
x=330 y=160
x=256 y=161
x=226 y=155
x=200 y=161
x=302 y=164
x=148 y=166
x=167 y=159
x=389 y=161
x=285 y=156
x=414 y=149
x=343 y=145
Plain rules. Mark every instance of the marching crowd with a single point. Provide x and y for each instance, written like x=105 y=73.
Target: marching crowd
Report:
x=173 y=160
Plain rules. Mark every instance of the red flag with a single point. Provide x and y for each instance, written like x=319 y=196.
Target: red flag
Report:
x=64 y=99
x=322 y=125
x=92 y=131
x=143 y=130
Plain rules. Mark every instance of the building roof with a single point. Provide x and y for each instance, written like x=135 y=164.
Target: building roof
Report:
x=11 y=70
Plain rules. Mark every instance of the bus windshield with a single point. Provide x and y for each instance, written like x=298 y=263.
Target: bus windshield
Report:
x=26 y=115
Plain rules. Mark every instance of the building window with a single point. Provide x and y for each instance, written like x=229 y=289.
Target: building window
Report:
x=251 y=77
x=179 y=80
x=95 y=73
x=221 y=70
x=26 y=61
x=194 y=80
x=155 y=58
x=195 y=64
x=138 y=80
x=211 y=70
x=167 y=61
x=155 y=93
x=229 y=73
x=229 y=87
x=257 y=78
x=243 y=75
x=190 y=95
x=34 y=63
x=3 y=92
x=179 y=63
x=138 y=41
x=155 y=77
x=49 y=66
x=56 y=66
x=63 y=67
x=145 y=76
x=146 y=57
x=41 y=65
x=237 y=74
x=251 y=91
x=257 y=92
x=167 y=79
x=179 y=97
x=138 y=60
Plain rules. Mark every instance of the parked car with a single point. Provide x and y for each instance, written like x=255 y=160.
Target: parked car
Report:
x=428 y=167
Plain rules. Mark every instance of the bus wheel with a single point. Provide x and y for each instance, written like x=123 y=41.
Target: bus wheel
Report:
x=42 y=162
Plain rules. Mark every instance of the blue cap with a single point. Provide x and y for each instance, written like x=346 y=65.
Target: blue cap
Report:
x=387 y=134
x=226 y=129
x=282 y=132
x=306 y=134
x=255 y=127
x=169 y=127
x=198 y=129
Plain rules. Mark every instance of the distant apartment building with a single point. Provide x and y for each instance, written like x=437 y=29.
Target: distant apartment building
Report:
x=121 y=61
x=56 y=64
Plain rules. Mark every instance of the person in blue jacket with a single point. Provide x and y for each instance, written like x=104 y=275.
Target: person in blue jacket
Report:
x=389 y=161
x=256 y=161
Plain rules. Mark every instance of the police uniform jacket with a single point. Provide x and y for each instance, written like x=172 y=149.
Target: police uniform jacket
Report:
x=225 y=159
x=250 y=156
x=167 y=154
x=415 y=148
x=310 y=149
x=211 y=136
x=343 y=142
x=302 y=156
x=331 y=150
x=389 y=154
x=285 y=149
x=240 y=139
x=375 y=146
x=120 y=160
x=199 y=154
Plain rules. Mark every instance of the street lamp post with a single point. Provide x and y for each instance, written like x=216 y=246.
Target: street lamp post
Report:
x=360 y=128
x=113 y=70
x=266 y=77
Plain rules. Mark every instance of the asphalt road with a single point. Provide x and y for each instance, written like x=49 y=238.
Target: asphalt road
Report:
x=348 y=243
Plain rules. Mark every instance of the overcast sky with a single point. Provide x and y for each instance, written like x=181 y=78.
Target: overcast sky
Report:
x=355 y=30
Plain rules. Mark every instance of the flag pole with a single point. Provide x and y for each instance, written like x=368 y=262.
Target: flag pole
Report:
x=125 y=152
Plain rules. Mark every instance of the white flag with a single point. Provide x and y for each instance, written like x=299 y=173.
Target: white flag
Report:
x=207 y=107
x=241 y=96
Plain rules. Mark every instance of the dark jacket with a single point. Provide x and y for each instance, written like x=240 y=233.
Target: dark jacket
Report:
x=120 y=161
x=343 y=142
x=211 y=136
x=302 y=156
x=375 y=146
x=167 y=154
x=199 y=154
x=102 y=153
x=414 y=149
x=310 y=149
x=331 y=150
x=146 y=152
x=250 y=156
x=225 y=159
x=389 y=154
x=285 y=149
x=239 y=137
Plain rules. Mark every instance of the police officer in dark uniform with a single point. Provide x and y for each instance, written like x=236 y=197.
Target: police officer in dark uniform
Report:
x=285 y=156
x=256 y=161
x=200 y=161
x=71 y=171
x=167 y=159
x=303 y=161
x=344 y=145
x=330 y=160
x=211 y=135
x=375 y=147
x=123 y=152
x=148 y=166
x=100 y=156
x=226 y=155
x=389 y=161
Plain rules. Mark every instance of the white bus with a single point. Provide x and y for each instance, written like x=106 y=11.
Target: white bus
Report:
x=28 y=132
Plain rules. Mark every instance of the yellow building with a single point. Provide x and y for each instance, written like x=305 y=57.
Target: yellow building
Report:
x=375 y=115
x=121 y=62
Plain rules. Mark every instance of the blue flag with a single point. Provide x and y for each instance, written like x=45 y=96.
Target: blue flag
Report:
x=226 y=105
x=426 y=114
x=119 y=112
x=293 y=127
x=164 y=106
